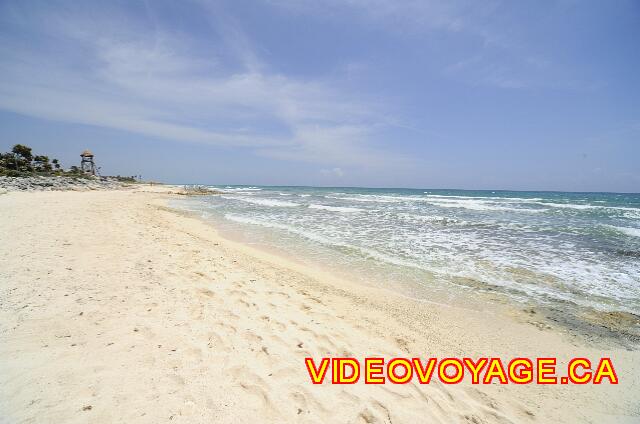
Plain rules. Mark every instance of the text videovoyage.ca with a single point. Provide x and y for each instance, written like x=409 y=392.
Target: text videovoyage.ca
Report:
x=483 y=370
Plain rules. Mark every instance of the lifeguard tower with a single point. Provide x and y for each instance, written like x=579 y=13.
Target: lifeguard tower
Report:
x=87 y=165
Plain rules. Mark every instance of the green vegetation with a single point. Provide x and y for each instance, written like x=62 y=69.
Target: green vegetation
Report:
x=20 y=162
x=132 y=179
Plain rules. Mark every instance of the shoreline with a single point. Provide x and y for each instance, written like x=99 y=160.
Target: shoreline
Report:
x=142 y=275
x=585 y=323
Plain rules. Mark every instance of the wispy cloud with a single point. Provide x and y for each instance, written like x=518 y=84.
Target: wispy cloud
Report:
x=394 y=15
x=497 y=50
x=108 y=71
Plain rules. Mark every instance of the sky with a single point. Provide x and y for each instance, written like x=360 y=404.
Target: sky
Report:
x=525 y=95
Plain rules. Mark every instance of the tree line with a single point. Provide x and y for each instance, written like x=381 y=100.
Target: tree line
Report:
x=22 y=162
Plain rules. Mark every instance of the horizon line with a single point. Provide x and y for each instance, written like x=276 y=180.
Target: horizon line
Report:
x=412 y=188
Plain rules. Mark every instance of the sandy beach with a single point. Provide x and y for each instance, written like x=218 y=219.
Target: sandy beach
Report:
x=116 y=308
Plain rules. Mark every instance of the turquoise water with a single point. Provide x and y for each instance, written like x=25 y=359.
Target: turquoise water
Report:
x=551 y=248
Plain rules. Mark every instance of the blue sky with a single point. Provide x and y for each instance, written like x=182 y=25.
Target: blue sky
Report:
x=399 y=93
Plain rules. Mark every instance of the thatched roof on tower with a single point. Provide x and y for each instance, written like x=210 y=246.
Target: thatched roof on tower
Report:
x=87 y=153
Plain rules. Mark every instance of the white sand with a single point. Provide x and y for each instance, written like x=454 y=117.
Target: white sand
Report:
x=115 y=309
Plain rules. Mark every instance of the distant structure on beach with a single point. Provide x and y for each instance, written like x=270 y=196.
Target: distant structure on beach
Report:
x=87 y=165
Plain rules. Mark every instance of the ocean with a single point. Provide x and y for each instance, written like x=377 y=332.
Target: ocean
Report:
x=554 y=249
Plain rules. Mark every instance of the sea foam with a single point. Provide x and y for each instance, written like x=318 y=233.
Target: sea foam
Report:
x=263 y=202
x=335 y=208
x=535 y=246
